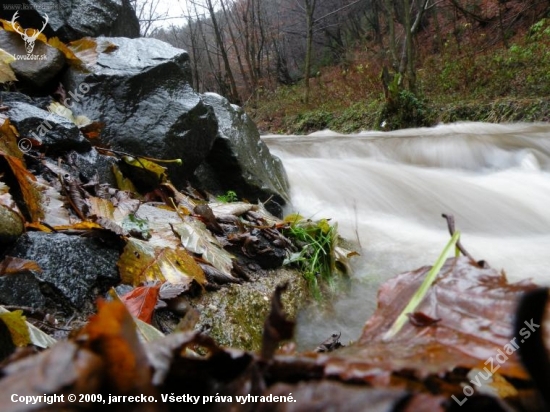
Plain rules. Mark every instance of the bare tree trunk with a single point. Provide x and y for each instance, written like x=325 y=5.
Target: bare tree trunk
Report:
x=391 y=29
x=230 y=18
x=310 y=10
x=501 y=25
x=234 y=94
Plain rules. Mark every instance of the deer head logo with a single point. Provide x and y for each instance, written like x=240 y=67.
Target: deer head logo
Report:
x=29 y=40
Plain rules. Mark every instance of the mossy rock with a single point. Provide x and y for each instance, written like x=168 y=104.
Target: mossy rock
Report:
x=235 y=314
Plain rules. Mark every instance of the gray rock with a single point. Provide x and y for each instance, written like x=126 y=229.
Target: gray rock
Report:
x=78 y=18
x=75 y=270
x=240 y=160
x=90 y=163
x=32 y=73
x=56 y=133
x=22 y=289
x=141 y=93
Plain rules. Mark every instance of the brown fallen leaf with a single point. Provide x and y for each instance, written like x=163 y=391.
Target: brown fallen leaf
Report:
x=476 y=307
x=30 y=190
x=141 y=301
x=8 y=139
x=12 y=265
x=63 y=370
x=111 y=334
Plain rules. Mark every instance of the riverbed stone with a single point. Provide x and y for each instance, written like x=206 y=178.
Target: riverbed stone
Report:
x=240 y=161
x=140 y=90
x=32 y=74
x=80 y=18
x=56 y=133
x=234 y=316
x=75 y=270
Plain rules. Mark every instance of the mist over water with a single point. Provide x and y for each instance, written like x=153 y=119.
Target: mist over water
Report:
x=390 y=189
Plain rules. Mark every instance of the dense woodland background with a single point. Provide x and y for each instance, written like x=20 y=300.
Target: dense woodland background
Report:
x=301 y=65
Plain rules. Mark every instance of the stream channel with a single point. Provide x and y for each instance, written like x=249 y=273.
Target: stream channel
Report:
x=389 y=189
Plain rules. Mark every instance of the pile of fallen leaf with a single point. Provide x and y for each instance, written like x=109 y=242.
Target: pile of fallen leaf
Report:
x=177 y=243
x=420 y=369
x=173 y=242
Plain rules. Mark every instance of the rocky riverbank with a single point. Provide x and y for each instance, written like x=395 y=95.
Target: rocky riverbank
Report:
x=114 y=181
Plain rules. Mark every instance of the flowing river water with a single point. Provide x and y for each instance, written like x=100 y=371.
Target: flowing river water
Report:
x=389 y=189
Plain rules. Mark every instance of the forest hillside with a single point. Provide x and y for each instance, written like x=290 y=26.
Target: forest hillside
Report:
x=303 y=65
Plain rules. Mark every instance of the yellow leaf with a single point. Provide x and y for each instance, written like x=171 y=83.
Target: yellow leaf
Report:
x=17 y=325
x=6 y=57
x=79 y=226
x=37 y=337
x=142 y=262
x=12 y=222
x=85 y=50
x=60 y=110
x=324 y=225
x=8 y=140
x=293 y=218
x=122 y=182
x=72 y=59
x=6 y=73
x=152 y=167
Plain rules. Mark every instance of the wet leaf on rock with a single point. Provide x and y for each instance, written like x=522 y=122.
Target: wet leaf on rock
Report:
x=142 y=262
x=85 y=50
x=53 y=204
x=119 y=219
x=196 y=238
x=71 y=57
x=12 y=265
x=148 y=165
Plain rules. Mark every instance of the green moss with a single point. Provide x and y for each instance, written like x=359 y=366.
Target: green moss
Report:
x=235 y=314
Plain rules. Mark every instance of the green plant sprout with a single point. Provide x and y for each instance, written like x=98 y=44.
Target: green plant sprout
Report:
x=229 y=197
x=422 y=290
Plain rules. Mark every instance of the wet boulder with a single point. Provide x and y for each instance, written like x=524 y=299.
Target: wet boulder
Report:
x=80 y=19
x=55 y=133
x=33 y=70
x=75 y=270
x=140 y=90
x=240 y=161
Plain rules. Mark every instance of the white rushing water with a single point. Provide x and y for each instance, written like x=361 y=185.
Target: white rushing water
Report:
x=390 y=189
